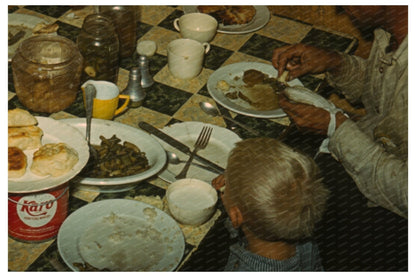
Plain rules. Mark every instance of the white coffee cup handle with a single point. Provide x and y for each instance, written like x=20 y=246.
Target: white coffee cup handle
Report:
x=206 y=46
x=176 y=24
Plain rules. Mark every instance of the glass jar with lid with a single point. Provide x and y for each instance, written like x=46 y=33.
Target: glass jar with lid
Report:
x=99 y=45
x=46 y=73
x=124 y=20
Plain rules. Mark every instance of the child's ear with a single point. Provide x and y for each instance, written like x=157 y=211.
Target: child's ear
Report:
x=236 y=216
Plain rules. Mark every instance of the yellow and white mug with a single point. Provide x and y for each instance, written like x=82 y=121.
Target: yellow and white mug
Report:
x=106 y=100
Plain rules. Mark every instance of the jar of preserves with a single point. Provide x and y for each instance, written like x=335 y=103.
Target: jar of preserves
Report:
x=124 y=20
x=98 y=44
x=46 y=73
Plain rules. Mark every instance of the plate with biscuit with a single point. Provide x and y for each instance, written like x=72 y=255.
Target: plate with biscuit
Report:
x=235 y=19
x=43 y=152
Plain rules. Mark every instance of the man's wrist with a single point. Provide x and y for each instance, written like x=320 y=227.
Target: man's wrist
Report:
x=340 y=118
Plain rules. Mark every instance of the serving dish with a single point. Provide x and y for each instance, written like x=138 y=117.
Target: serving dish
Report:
x=54 y=131
x=159 y=234
x=154 y=152
x=261 y=18
x=233 y=75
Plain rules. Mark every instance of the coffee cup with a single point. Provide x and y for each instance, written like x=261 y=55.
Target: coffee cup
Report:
x=198 y=26
x=185 y=57
x=105 y=104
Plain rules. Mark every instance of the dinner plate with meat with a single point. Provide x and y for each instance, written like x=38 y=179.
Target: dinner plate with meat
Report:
x=235 y=19
x=120 y=235
x=23 y=26
x=248 y=88
x=127 y=155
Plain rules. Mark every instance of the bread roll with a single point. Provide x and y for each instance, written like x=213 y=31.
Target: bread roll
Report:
x=25 y=138
x=21 y=118
x=17 y=162
x=54 y=159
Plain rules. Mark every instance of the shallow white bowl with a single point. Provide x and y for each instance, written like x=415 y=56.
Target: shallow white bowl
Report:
x=191 y=201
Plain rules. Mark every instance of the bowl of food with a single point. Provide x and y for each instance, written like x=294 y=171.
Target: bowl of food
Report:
x=126 y=154
x=191 y=201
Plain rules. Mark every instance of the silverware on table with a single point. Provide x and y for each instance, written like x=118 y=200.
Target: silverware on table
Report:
x=90 y=93
x=201 y=143
x=178 y=145
x=174 y=159
x=211 y=110
x=16 y=37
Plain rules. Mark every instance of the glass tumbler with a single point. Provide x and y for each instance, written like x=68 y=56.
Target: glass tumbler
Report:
x=99 y=45
x=124 y=20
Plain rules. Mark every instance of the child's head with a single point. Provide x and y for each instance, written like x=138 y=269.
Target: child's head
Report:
x=276 y=188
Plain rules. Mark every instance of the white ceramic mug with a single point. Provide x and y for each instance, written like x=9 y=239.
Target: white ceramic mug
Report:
x=198 y=26
x=185 y=57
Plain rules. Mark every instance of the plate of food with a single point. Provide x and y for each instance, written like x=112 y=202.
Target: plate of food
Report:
x=120 y=235
x=127 y=154
x=248 y=88
x=235 y=19
x=43 y=152
x=23 y=26
x=220 y=144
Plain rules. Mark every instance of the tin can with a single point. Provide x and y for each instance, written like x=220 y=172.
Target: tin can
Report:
x=37 y=216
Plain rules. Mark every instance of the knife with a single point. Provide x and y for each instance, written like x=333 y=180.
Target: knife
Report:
x=178 y=145
x=16 y=37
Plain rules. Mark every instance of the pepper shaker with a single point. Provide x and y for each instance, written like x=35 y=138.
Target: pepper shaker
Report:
x=145 y=49
x=134 y=88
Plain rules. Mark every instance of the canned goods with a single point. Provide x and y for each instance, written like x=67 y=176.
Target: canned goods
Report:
x=37 y=216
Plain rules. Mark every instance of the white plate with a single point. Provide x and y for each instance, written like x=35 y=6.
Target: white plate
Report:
x=107 y=128
x=220 y=144
x=16 y=22
x=54 y=131
x=171 y=239
x=261 y=18
x=233 y=75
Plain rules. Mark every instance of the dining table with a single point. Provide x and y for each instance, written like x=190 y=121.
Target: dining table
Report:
x=172 y=101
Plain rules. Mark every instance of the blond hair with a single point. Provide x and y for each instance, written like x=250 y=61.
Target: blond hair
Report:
x=276 y=188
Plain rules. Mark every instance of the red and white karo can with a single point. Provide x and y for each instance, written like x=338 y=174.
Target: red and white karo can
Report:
x=38 y=216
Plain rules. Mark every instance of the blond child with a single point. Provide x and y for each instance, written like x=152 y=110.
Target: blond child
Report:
x=273 y=193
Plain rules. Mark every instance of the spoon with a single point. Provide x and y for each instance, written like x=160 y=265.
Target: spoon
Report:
x=174 y=159
x=90 y=93
x=211 y=110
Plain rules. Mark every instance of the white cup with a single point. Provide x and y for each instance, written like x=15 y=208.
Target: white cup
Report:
x=198 y=26
x=185 y=57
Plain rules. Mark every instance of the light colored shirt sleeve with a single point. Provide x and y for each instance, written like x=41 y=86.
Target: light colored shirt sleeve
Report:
x=380 y=176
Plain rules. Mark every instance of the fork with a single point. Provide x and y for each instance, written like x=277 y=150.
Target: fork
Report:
x=201 y=143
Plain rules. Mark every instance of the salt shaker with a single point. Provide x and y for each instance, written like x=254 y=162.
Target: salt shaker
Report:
x=145 y=49
x=134 y=88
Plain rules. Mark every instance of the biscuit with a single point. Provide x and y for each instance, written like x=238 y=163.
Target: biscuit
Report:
x=25 y=138
x=20 y=118
x=17 y=162
x=55 y=159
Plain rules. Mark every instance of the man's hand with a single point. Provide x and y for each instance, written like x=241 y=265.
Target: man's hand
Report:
x=301 y=59
x=308 y=116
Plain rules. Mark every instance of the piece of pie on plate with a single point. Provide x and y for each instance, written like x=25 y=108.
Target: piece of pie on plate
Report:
x=230 y=15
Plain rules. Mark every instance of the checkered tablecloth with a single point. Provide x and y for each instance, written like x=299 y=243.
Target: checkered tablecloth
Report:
x=169 y=101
